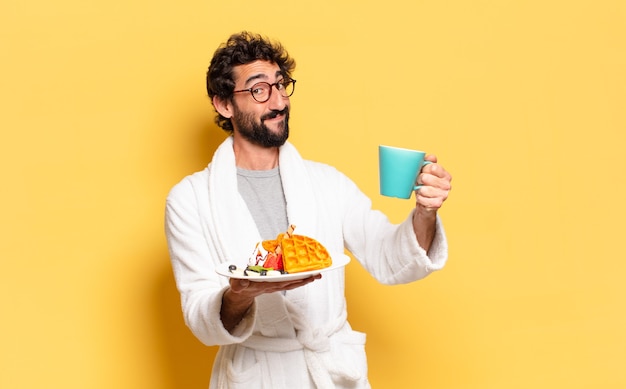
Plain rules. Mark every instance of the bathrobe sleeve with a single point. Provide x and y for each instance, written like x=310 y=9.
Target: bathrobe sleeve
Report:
x=193 y=261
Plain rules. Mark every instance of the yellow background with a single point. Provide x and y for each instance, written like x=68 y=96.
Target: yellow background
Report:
x=104 y=110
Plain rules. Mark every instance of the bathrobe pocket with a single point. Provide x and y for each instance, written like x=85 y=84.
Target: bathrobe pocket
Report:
x=244 y=371
x=350 y=367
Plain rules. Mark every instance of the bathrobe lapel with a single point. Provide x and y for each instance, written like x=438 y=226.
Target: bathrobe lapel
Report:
x=233 y=231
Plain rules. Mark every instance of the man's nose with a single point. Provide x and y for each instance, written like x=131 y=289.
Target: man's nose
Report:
x=276 y=100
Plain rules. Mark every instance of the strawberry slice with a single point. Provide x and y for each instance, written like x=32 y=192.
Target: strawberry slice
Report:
x=274 y=261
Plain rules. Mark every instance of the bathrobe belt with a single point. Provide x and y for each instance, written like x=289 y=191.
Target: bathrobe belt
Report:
x=321 y=346
x=318 y=347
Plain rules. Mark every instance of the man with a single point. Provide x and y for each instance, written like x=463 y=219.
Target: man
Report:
x=290 y=334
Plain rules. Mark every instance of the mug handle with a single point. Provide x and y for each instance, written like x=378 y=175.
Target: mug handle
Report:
x=416 y=187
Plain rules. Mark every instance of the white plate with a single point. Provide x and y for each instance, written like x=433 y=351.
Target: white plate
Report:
x=339 y=261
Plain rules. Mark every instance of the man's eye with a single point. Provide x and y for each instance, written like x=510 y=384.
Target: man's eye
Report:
x=280 y=85
x=258 y=91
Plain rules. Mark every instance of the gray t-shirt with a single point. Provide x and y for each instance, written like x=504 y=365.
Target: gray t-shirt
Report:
x=262 y=190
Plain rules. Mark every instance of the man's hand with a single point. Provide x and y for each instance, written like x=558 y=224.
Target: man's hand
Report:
x=239 y=297
x=435 y=187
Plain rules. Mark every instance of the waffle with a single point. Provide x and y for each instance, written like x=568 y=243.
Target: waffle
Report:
x=301 y=253
x=296 y=253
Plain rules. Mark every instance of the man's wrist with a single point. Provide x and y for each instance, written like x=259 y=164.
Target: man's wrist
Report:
x=424 y=226
x=235 y=301
x=233 y=309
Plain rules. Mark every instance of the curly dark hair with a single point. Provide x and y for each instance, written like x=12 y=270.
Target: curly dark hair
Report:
x=240 y=49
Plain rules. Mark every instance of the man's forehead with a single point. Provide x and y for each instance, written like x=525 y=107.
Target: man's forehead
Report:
x=257 y=70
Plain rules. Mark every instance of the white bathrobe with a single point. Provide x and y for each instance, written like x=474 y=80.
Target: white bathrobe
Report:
x=300 y=339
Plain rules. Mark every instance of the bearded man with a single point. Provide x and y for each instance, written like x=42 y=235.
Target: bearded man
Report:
x=287 y=334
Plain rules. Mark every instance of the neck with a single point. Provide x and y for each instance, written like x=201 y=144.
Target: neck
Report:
x=252 y=157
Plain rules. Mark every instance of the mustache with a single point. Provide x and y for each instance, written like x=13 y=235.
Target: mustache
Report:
x=274 y=113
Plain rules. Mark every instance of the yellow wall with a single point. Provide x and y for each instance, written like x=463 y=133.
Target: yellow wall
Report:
x=104 y=109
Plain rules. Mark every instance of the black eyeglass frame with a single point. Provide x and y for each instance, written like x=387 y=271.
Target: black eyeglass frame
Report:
x=284 y=82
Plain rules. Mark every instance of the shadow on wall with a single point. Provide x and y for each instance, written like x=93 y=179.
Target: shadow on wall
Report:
x=188 y=362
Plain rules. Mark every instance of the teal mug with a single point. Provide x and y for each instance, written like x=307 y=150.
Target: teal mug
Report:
x=398 y=169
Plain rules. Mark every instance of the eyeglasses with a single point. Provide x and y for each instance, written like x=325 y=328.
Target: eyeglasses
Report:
x=262 y=91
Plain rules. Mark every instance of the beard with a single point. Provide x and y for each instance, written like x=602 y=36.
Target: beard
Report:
x=258 y=133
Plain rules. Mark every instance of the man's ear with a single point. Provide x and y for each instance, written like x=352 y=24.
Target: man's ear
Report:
x=223 y=107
